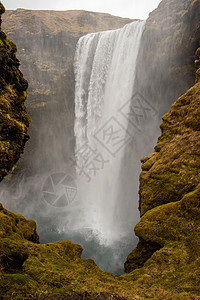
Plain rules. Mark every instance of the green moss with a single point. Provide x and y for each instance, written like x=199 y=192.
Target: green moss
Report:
x=12 y=285
x=173 y=170
x=148 y=162
x=13 y=47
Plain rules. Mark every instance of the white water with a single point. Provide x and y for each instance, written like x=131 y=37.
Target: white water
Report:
x=105 y=65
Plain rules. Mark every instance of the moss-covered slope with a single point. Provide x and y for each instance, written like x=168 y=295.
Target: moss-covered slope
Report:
x=169 y=230
x=29 y=270
x=13 y=117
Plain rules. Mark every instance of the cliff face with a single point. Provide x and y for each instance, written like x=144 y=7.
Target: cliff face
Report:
x=13 y=117
x=170 y=199
x=170 y=39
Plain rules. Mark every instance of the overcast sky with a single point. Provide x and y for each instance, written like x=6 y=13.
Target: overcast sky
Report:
x=124 y=8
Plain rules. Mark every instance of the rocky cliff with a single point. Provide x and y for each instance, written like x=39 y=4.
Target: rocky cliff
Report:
x=13 y=117
x=169 y=245
x=170 y=39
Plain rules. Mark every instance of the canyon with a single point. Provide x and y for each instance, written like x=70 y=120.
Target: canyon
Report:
x=165 y=263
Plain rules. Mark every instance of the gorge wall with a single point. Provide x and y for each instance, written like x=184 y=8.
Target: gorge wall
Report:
x=13 y=116
x=169 y=43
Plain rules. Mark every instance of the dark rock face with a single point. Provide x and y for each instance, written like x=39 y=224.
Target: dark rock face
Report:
x=169 y=42
x=138 y=257
x=13 y=117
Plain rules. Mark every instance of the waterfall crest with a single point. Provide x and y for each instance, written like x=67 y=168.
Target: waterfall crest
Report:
x=105 y=66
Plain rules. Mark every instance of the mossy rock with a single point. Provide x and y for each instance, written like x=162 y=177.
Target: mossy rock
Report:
x=2 y=8
x=174 y=168
x=169 y=246
x=28 y=269
x=14 y=119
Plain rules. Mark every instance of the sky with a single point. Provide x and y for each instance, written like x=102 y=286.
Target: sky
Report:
x=134 y=9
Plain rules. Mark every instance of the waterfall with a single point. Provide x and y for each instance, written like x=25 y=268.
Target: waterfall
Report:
x=105 y=67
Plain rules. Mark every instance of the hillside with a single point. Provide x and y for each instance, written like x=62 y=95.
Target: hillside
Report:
x=76 y=21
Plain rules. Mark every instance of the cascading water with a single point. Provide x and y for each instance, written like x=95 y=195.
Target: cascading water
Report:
x=105 y=65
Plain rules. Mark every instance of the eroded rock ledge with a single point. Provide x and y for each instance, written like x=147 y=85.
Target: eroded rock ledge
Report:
x=13 y=117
